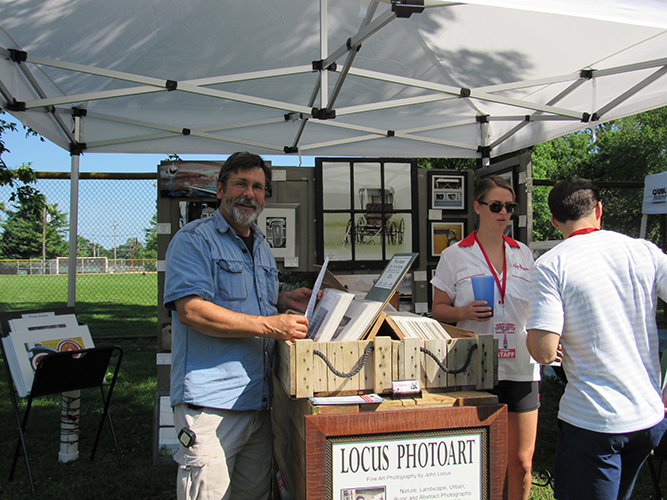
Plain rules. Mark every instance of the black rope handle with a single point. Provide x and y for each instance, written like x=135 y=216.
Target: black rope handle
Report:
x=371 y=348
x=360 y=365
x=444 y=368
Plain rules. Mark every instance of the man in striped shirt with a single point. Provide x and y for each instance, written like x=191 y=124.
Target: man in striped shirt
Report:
x=593 y=305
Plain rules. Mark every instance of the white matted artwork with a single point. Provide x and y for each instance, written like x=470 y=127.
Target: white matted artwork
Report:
x=447 y=191
x=508 y=175
x=278 y=223
x=509 y=230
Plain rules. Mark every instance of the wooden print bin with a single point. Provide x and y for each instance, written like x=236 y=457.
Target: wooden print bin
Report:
x=306 y=368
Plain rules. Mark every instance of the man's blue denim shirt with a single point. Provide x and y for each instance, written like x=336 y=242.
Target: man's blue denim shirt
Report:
x=207 y=258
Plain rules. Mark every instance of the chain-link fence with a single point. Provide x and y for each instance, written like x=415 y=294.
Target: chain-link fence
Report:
x=116 y=283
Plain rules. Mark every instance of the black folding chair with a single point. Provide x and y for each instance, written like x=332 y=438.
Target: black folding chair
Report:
x=70 y=371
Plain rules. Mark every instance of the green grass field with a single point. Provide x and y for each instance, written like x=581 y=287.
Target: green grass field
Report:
x=112 y=305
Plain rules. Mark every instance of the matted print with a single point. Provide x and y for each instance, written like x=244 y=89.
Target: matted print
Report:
x=444 y=234
x=447 y=191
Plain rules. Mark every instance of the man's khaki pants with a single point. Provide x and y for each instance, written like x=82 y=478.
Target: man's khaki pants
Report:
x=231 y=456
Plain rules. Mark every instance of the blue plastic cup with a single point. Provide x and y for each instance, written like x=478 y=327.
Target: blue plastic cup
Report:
x=483 y=287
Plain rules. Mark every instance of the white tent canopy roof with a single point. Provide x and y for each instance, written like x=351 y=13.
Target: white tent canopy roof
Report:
x=481 y=78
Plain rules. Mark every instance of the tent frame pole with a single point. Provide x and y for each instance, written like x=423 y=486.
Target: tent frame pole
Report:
x=73 y=216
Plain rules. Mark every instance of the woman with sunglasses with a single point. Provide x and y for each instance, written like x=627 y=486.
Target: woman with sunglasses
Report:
x=488 y=252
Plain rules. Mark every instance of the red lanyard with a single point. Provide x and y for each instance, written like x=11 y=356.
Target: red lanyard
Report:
x=585 y=230
x=503 y=287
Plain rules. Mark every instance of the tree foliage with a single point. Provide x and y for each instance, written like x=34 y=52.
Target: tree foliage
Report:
x=447 y=163
x=620 y=151
x=25 y=231
x=151 y=238
x=19 y=178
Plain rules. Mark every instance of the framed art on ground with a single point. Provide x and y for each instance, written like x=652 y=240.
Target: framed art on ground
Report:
x=444 y=234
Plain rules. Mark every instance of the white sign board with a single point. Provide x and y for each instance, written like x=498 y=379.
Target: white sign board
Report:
x=655 y=194
x=443 y=465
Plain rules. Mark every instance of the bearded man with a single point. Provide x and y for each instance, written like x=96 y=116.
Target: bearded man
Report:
x=221 y=283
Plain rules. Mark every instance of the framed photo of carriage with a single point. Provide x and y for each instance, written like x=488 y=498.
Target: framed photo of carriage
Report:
x=444 y=234
x=366 y=210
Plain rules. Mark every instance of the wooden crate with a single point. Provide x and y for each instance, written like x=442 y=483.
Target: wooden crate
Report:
x=303 y=372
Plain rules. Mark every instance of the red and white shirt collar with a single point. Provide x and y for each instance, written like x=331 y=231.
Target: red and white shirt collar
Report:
x=469 y=240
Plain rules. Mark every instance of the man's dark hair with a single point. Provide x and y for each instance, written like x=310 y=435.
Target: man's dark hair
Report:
x=241 y=161
x=573 y=199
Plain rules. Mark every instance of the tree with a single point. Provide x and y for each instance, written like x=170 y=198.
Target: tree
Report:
x=19 y=178
x=451 y=163
x=556 y=159
x=30 y=235
x=627 y=149
x=151 y=238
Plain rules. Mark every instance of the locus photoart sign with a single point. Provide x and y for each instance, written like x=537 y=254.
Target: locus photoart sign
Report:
x=447 y=464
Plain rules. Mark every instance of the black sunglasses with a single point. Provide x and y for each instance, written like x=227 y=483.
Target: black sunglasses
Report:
x=496 y=206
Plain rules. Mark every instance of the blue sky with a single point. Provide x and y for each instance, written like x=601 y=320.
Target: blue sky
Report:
x=47 y=157
x=131 y=219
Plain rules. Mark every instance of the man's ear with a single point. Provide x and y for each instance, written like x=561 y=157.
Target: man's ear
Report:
x=554 y=222
x=598 y=211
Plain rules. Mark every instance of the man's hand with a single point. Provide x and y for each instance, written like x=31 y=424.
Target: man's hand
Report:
x=296 y=300
x=559 y=354
x=287 y=326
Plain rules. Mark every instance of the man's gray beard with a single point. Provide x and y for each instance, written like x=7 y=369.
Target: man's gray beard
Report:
x=239 y=216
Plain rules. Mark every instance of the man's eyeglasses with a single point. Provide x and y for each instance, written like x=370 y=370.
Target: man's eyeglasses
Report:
x=242 y=185
x=497 y=206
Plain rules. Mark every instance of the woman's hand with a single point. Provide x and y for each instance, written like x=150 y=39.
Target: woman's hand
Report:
x=477 y=310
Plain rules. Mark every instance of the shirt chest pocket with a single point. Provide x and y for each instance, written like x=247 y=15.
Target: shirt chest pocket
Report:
x=269 y=289
x=230 y=280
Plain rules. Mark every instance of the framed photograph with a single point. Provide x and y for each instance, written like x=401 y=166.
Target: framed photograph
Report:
x=447 y=191
x=508 y=175
x=430 y=272
x=444 y=234
x=278 y=222
x=190 y=179
x=366 y=211
x=509 y=230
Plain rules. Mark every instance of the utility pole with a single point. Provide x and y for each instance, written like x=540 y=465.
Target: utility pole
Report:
x=114 y=241
x=44 y=241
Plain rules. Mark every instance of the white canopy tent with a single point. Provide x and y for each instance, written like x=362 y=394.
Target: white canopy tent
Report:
x=344 y=78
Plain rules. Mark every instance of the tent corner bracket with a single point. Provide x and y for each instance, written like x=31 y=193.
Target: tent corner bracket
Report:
x=18 y=56
x=323 y=114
